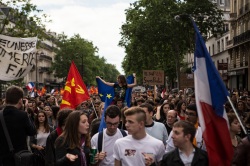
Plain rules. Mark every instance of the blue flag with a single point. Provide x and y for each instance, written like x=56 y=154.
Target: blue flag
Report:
x=105 y=92
x=130 y=80
x=103 y=89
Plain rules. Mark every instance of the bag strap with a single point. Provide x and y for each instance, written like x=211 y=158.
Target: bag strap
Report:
x=124 y=134
x=6 y=131
x=99 y=142
x=100 y=137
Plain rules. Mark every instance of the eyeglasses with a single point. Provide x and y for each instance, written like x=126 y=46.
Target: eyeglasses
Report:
x=112 y=124
x=190 y=114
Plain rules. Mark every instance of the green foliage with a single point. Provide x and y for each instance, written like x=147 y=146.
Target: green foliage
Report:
x=20 y=18
x=81 y=52
x=154 y=40
x=26 y=19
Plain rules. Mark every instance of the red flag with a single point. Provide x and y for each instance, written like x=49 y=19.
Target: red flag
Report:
x=61 y=91
x=43 y=91
x=75 y=91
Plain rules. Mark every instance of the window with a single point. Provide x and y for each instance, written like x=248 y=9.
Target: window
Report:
x=226 y=27
x=209 y=50
x=226 y=39
x=222 y=2
x=222 y=45
x=213 y=49
x=218 y=46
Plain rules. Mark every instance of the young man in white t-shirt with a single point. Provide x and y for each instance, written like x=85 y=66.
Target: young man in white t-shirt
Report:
x=109 y=136
x=139 y=148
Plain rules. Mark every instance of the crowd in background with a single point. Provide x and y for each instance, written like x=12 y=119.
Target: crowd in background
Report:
x=57 y=130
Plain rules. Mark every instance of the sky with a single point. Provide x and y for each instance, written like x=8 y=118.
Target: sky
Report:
x=98 y=21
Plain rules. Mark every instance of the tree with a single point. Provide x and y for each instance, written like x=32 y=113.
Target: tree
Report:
x=154 y=40
x=21 y=18
x=26 y=19
x=81 y=51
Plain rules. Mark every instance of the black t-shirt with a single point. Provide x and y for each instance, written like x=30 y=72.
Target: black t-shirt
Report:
x=120 y=92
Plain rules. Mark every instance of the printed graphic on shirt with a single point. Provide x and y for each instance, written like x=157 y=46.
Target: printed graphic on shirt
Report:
x=130 y=152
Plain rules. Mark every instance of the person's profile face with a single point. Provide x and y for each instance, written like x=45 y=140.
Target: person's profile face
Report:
x=178 y=136
x=132 y=125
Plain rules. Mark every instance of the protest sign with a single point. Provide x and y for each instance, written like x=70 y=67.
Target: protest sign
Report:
x=153 y=77
x=17 y=57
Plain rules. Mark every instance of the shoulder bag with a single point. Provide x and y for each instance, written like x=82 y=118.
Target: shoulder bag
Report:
x=23 y=157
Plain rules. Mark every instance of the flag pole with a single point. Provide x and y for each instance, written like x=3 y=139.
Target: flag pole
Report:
x=103 y=140
x=236 y=113
x=94 y=109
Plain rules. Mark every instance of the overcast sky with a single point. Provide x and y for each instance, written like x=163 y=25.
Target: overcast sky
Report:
x=98 y=21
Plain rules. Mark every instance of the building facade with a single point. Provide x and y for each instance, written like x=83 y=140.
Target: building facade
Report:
x=239 y=45
x=217 y=45
x=41 y=73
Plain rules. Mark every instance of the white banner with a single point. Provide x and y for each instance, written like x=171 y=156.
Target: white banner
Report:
x=17 y=57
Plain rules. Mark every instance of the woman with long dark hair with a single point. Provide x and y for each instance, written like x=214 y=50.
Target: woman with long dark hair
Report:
x=181 y=108
x=71 y=146
x=38 y=142
x=161 y=113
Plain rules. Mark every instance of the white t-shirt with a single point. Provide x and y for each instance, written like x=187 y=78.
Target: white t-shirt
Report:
x=42 y=138
x=198 y=136
x=108 y=146
x=129 y=150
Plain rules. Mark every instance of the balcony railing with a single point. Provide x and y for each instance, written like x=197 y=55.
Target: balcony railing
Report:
x=43 y=69
x=241 y=38
x=49 y=80
x=46 y=46
x=233 y=15
x=42 y=56
x=229 y=43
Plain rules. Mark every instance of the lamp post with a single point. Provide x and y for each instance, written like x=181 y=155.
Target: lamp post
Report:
x=37 y=55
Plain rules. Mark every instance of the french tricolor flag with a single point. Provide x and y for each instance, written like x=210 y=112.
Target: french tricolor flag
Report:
x=211 y=94
x=30 y=86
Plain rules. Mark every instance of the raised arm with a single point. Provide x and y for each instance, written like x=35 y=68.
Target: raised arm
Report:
x=107 y=83
x=135 y=83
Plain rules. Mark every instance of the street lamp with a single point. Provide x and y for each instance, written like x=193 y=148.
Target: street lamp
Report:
x=36 y=70
x=176 y=48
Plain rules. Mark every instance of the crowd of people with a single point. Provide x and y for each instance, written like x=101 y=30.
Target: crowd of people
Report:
x=155 y=130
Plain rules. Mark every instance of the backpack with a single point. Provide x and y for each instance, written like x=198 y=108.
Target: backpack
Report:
x=100 y=138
